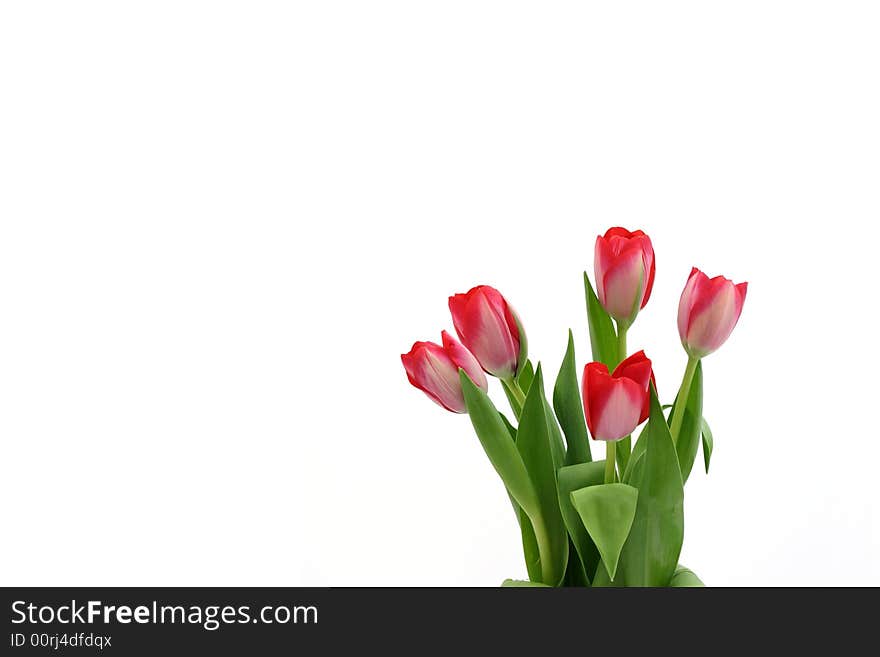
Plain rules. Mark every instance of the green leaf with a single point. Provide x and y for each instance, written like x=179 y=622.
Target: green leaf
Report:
x=531 y=554
x=650 y=554
x=529 y=542
x=501 y=450
x=570 y=409
x=607 y=511
x=685 y=577
x=689 y=436
x=569 y=479
x=518 y=583
x=638 y=451
x=603 y=337
x=708 y=443
x=534 y=443
x=557 y=445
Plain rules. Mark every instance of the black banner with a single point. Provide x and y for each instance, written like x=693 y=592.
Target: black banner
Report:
x=151 y=621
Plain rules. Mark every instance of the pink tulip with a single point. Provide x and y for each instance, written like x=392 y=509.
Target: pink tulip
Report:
x=624 y=268
x=708 y=311
x=615 y=404
x=490 y=329
x=434 y=370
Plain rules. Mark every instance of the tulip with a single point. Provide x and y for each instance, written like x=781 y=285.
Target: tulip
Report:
x=708 y=311
x=624 y=269
x=615 y=404
x=490 y=329
x=433 y=369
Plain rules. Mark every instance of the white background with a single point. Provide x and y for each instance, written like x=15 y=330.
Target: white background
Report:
x=222 y=222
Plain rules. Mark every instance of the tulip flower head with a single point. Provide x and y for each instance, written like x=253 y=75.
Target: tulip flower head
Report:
x=490 y=329
x=624 y=269
x=615 y=404
x=708 y=312
x=433 y=369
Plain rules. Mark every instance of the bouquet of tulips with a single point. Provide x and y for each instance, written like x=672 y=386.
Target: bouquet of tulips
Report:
x=616 y=522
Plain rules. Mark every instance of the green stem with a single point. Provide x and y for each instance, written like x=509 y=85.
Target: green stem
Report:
x=517 y=391
x=610 y=458
x=625 y=448
x=513 y=388
x=621 y=342
x=681 y=400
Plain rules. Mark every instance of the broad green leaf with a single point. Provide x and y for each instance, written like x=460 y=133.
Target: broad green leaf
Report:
x=557 y=445
x=534 y=443
x=708 y=443
x=650 y=554
x=607 y=511
x=500 y=449
x=529 y=543
x=569 y=479
x=603 y=337
x=518 y=583
x=685 y=577
x=476 y=398
x=570 y=409
x=531 y=553
x=689 y=436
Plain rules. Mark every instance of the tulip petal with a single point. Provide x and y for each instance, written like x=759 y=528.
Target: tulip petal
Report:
x=688 y=295
x=480 y=319
x=636 y=367
x=620 y=411
x=713 y=316
x=593 y=378
x=431 y=369
x=650 y=267
x=624 y=283
x=613 y=407
x=618 y=231
x=464 y=359
x=603 y=259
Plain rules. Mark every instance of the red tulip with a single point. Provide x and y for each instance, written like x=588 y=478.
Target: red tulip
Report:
x=434 y=370
x=490 y=329
x=708 y=311
x=615 y=404
x=624 y=268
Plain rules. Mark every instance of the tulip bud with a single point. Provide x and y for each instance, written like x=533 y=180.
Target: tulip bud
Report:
x=615 y=404
x=433 y=369
x=490 y=329
x=708 y=311
x=624 y=269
